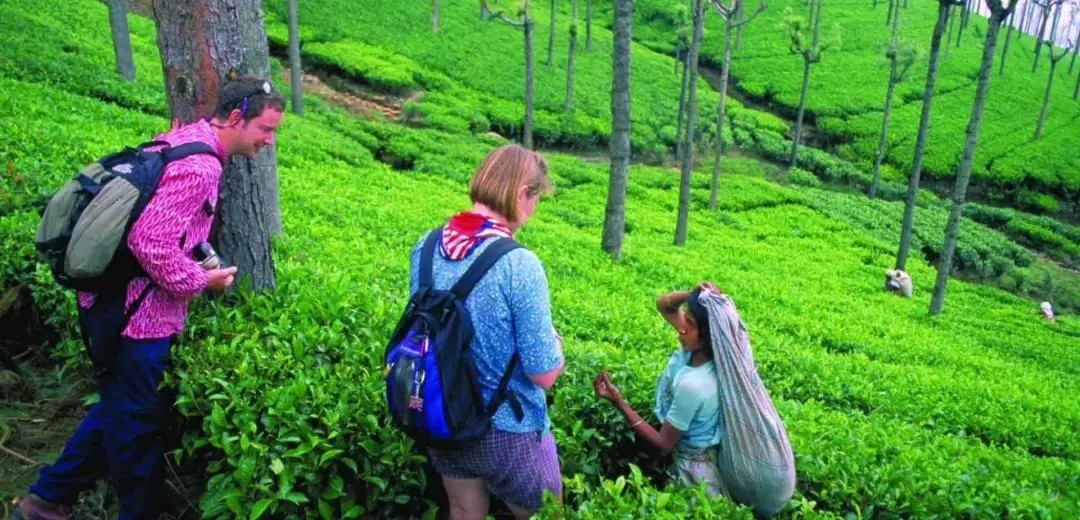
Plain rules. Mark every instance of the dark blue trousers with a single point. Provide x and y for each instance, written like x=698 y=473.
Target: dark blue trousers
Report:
x=121 y=435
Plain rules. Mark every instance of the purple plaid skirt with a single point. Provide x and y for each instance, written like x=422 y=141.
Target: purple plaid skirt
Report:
x=515 y=467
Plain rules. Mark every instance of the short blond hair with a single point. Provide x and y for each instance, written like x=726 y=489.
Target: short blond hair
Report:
x=496 y=182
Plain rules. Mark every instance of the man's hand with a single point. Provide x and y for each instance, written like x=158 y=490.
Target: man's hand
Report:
x=221 y=279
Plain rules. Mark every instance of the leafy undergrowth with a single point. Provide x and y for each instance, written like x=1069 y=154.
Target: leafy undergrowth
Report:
x=892 y=414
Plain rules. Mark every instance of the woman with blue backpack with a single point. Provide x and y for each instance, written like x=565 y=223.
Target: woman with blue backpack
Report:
x=475 y=350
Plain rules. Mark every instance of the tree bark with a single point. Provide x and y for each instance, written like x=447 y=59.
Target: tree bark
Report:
x=1023 y=19
x=551 y=36
x=570 y=57
x=872 y=191
x=1005 y=48
x=682 y=108
x=1046 y=98
x=740 y=14
x=815 y=20
x=200 y=43
x=615 y=210
x=528 y=139
x=434 y=15
x=1039 y=38
x=888 y=17
x=1076 y=50
x=588 y=25
x=720 y=115
x=125 y=65
x=944 y=9
x=952 y=23
x=691 y=117
x=296 y=82
x=952 y=229
x=965 y=15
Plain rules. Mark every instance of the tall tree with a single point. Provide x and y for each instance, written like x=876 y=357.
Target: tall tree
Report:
x=811 y=52
x=1020 y=27
x=295 y=72
x=1076 y=46
x=682 y=52
x=1047 y=7
x=525 y=22
x=615 y=211
x=551 y=36
x=691 y=120
x=965 y=15
x=945 y=8
x=125 y=65
x=1008 y=39
x=900 y=57
x=1055 y=58
x=952 y=23
x=729 y=11
x=202 y=42
x=588 y=25
x=570 y=56
x=739 y=17
x=999 y=11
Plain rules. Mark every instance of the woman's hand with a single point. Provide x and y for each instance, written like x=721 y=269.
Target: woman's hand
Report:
x=603 y=387
x=708 y=285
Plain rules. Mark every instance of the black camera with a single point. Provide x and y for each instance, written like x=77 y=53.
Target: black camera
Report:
x=208 y=258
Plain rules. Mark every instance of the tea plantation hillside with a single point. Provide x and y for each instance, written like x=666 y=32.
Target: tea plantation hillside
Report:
x=847 y=92
x=891 y=413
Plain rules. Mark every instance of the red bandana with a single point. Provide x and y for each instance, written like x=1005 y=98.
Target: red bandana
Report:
x=466 y=230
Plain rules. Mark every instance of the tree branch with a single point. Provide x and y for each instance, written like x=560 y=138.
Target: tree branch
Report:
x=501 y=16
x=761 y=9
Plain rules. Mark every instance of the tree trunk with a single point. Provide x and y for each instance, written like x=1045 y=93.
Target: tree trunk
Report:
x=588 y=25
x=1039 y=39
x=295 y=72
x=944 y=10
x=551 y=36
x=1076 y=89
x=682 y=108
x=740 y=13
x=872 y=191
x=793 y=160
x=815 y=20
x=200 y=43
x=125 y=66
x=1076 y=50
x=720 y=115
x=434 y=15
x=1046 y=98
x=691 y=117
x=888 y=17
x=570 y=57
x=952 y=23
x=944 y=267
x=965 y=14
x=1023 y=19
x=1005 y=49
x=615 y=211
x=528 y=138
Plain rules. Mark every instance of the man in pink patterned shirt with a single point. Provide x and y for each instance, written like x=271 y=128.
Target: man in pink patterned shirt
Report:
x=121 y=435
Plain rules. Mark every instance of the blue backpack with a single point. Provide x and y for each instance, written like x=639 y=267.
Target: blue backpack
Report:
x=432 y=387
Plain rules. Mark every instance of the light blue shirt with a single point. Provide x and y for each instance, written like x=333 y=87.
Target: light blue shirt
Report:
x=510 y=309
x=689 y=398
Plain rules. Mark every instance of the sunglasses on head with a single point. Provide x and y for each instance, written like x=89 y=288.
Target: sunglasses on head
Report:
x=265 y=88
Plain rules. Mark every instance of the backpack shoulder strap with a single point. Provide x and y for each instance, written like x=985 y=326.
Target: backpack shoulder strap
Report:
x=480 y=266
x=427 y=255
x=175 y=153
x=501 y=393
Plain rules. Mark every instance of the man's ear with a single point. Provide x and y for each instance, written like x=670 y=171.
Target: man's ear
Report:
x=235 y=117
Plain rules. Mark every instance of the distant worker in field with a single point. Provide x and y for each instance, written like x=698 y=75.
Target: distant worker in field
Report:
x=1047 y=310
x=714 y=411
x=482 y=418
x=130 y=324
x=899 y=282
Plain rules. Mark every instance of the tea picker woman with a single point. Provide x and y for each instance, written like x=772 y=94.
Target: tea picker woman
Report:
x=715 y=413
